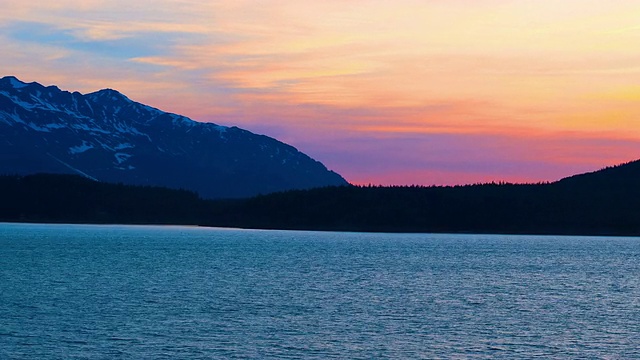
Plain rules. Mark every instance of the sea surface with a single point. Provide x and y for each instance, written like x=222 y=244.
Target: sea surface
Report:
x=153 y=292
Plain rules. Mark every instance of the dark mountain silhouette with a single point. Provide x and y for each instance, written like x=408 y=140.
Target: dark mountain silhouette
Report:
x=107 y=137
x=599 y=203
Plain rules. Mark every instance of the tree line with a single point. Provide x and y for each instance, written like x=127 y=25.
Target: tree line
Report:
x=600 y=203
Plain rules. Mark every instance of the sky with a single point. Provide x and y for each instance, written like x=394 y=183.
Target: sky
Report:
x=403 y=92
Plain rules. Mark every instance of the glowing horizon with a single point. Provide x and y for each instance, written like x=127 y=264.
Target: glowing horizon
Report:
x=411 y=92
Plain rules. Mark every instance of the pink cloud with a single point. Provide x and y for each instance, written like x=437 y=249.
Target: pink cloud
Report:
x=415 y=92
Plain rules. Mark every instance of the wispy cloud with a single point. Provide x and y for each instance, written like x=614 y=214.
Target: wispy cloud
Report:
x=454 y=89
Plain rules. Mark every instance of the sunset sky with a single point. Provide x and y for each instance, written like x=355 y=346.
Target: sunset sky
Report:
x=384 y=92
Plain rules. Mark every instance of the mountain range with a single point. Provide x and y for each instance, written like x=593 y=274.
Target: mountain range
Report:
x=107 y=137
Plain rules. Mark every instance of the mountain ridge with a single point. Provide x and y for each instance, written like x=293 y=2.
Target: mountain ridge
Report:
x=107 y=136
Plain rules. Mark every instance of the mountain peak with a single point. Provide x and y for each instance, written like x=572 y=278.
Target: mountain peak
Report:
x=106 y=136
x=109 y=94
x=13 y=82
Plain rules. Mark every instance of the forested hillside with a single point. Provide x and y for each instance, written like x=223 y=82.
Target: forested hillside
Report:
x=600 y=203
x=74 y=199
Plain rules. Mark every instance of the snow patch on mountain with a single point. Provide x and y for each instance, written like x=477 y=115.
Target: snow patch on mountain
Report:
x=137 y=132
x=121 y=157
x=80 y=148
x=85 y=127
x=17 y=101
x=123 y=146
x=38 y=128
x=11 y=119
x=15 y=118
x=39 y=103
x=17 y=84
x=55 y=126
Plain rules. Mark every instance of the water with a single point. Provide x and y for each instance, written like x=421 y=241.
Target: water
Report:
x=127 y=292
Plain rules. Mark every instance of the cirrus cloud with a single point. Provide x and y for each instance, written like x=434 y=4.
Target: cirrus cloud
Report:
x=409 y=92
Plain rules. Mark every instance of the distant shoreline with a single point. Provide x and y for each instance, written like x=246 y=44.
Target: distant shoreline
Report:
x=204 y=227
x=602 y=203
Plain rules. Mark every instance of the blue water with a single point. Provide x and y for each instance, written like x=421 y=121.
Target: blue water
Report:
x=131 y=292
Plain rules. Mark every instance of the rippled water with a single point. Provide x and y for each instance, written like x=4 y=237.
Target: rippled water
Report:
x=70 y=291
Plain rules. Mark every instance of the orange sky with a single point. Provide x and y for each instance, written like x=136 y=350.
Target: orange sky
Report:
x=390 y=92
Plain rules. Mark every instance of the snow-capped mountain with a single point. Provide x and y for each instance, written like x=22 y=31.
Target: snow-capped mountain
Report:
x=108 y=137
